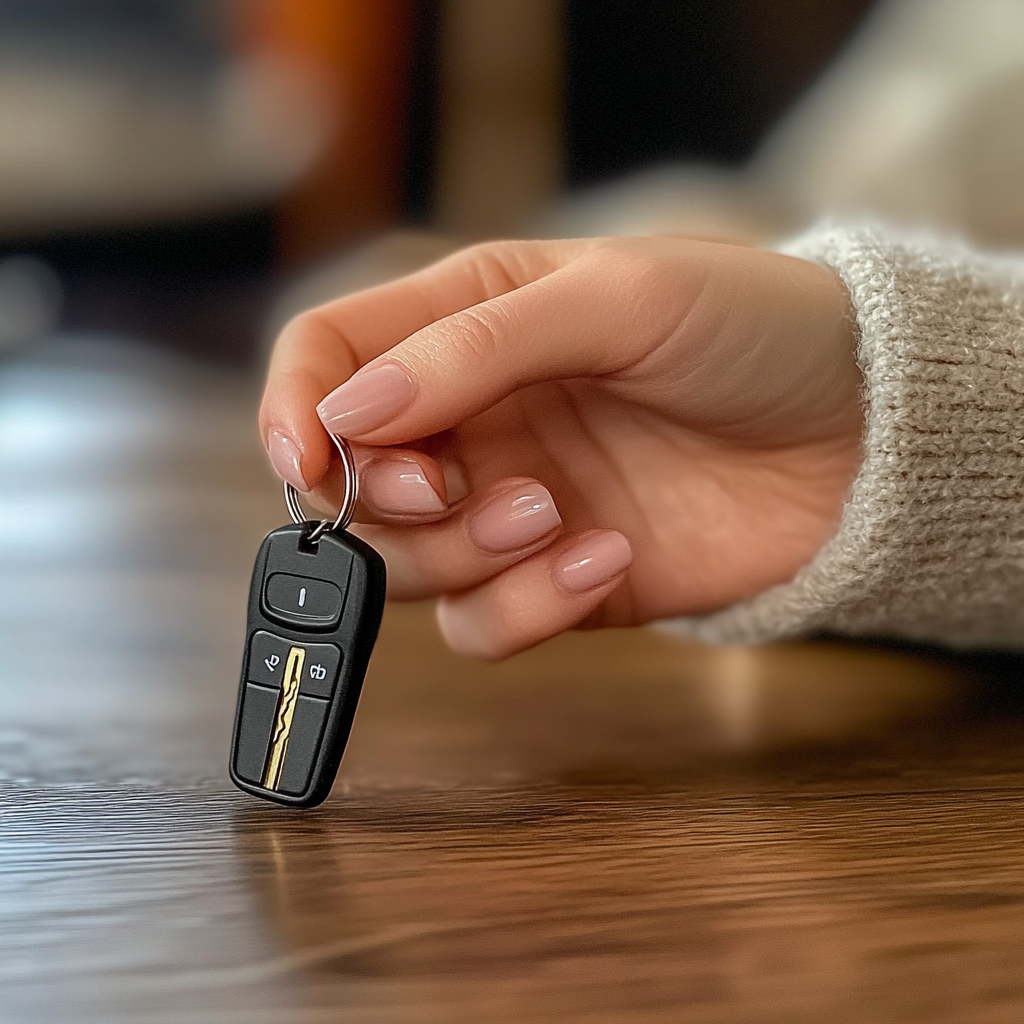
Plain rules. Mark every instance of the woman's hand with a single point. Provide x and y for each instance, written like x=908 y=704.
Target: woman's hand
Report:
x=596 y=432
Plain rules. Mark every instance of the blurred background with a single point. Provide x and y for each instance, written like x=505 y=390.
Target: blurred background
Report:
x=167 y=167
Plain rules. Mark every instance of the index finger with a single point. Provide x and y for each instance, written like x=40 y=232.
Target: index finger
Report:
x=321 y=348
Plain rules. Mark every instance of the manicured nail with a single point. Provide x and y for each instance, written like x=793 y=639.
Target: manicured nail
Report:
x=367 y=401
x=286 y=458
x=514 y=520
x=595 y=560
x=400 y=487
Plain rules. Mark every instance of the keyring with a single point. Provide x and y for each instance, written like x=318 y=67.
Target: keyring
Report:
x=348 y=503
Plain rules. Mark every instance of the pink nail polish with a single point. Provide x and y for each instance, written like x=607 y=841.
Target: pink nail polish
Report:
x=595 y=560
x=286 y=458
x=514 y=520
x=400 y=487
x=367 y=400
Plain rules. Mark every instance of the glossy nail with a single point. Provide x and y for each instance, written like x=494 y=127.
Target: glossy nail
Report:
x=400 y=487
x=286 y=458
x=514 y=520
x=367 y=401
x=595 y=560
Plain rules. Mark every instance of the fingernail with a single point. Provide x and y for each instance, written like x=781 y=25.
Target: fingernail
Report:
x=367 y=401
x=286 y=458
x=595 y=560
x=400 y=487
x=514 y=521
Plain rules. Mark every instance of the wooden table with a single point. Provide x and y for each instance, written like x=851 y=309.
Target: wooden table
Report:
x=612 y=828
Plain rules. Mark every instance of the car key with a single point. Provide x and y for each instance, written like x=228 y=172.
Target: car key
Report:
x=315 y=605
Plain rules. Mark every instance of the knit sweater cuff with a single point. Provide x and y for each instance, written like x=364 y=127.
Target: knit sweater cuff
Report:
x=930 y=545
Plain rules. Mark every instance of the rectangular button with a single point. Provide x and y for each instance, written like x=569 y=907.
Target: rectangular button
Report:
x=259 y=707
x=268 y=656
x=320 y=671
x=303 y=602
x=303 y=743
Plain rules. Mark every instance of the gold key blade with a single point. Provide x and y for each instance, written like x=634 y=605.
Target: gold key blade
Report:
x=285 y=714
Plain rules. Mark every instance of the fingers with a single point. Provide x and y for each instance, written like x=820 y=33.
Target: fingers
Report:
x=320 y=349
x=516 y=578
x=590 y=318
x=489 y=531
x=536 y=598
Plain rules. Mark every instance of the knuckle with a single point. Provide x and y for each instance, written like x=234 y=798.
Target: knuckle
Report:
x=473 y=335
x=479 y=331
x=498 y=266
x=503 y=266
x=635 y=266
x=644 y=284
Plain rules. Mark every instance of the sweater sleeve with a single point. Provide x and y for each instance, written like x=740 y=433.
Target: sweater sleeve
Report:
x=930 y=544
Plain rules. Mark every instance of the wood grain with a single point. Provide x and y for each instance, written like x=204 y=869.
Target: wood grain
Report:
x=613 y=828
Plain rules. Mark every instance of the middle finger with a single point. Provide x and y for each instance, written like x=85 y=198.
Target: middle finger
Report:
x=487 y=532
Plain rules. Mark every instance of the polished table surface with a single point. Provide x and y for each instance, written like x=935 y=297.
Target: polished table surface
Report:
x=612 y=828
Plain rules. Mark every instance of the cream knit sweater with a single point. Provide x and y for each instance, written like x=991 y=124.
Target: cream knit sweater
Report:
x=930 y=545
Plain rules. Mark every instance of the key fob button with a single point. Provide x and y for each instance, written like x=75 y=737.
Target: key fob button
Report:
x=301 y=601
x=320 y=670
x=259 y=708
x=267 y=658
x=269 y=655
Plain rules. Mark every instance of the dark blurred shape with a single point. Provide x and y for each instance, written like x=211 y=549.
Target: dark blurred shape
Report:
x=419 y=164
x=152 y=29
x=30 y=300
x=651 y=81
x=201 y=285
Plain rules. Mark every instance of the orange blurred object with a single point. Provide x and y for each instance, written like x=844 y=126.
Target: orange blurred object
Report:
x=359 y=53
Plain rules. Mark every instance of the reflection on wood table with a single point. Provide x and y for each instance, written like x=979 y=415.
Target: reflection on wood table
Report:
x=612 y=828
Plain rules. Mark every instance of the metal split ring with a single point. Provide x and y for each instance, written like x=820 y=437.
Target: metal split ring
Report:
x=348 y=503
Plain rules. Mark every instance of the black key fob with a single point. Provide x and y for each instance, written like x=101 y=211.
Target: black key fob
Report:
x=315 y=606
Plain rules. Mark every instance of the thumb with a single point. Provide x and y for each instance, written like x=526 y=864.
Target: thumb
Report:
x=598 y=315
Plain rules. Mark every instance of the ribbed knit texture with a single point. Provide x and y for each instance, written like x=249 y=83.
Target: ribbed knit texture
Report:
x=930 y=545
